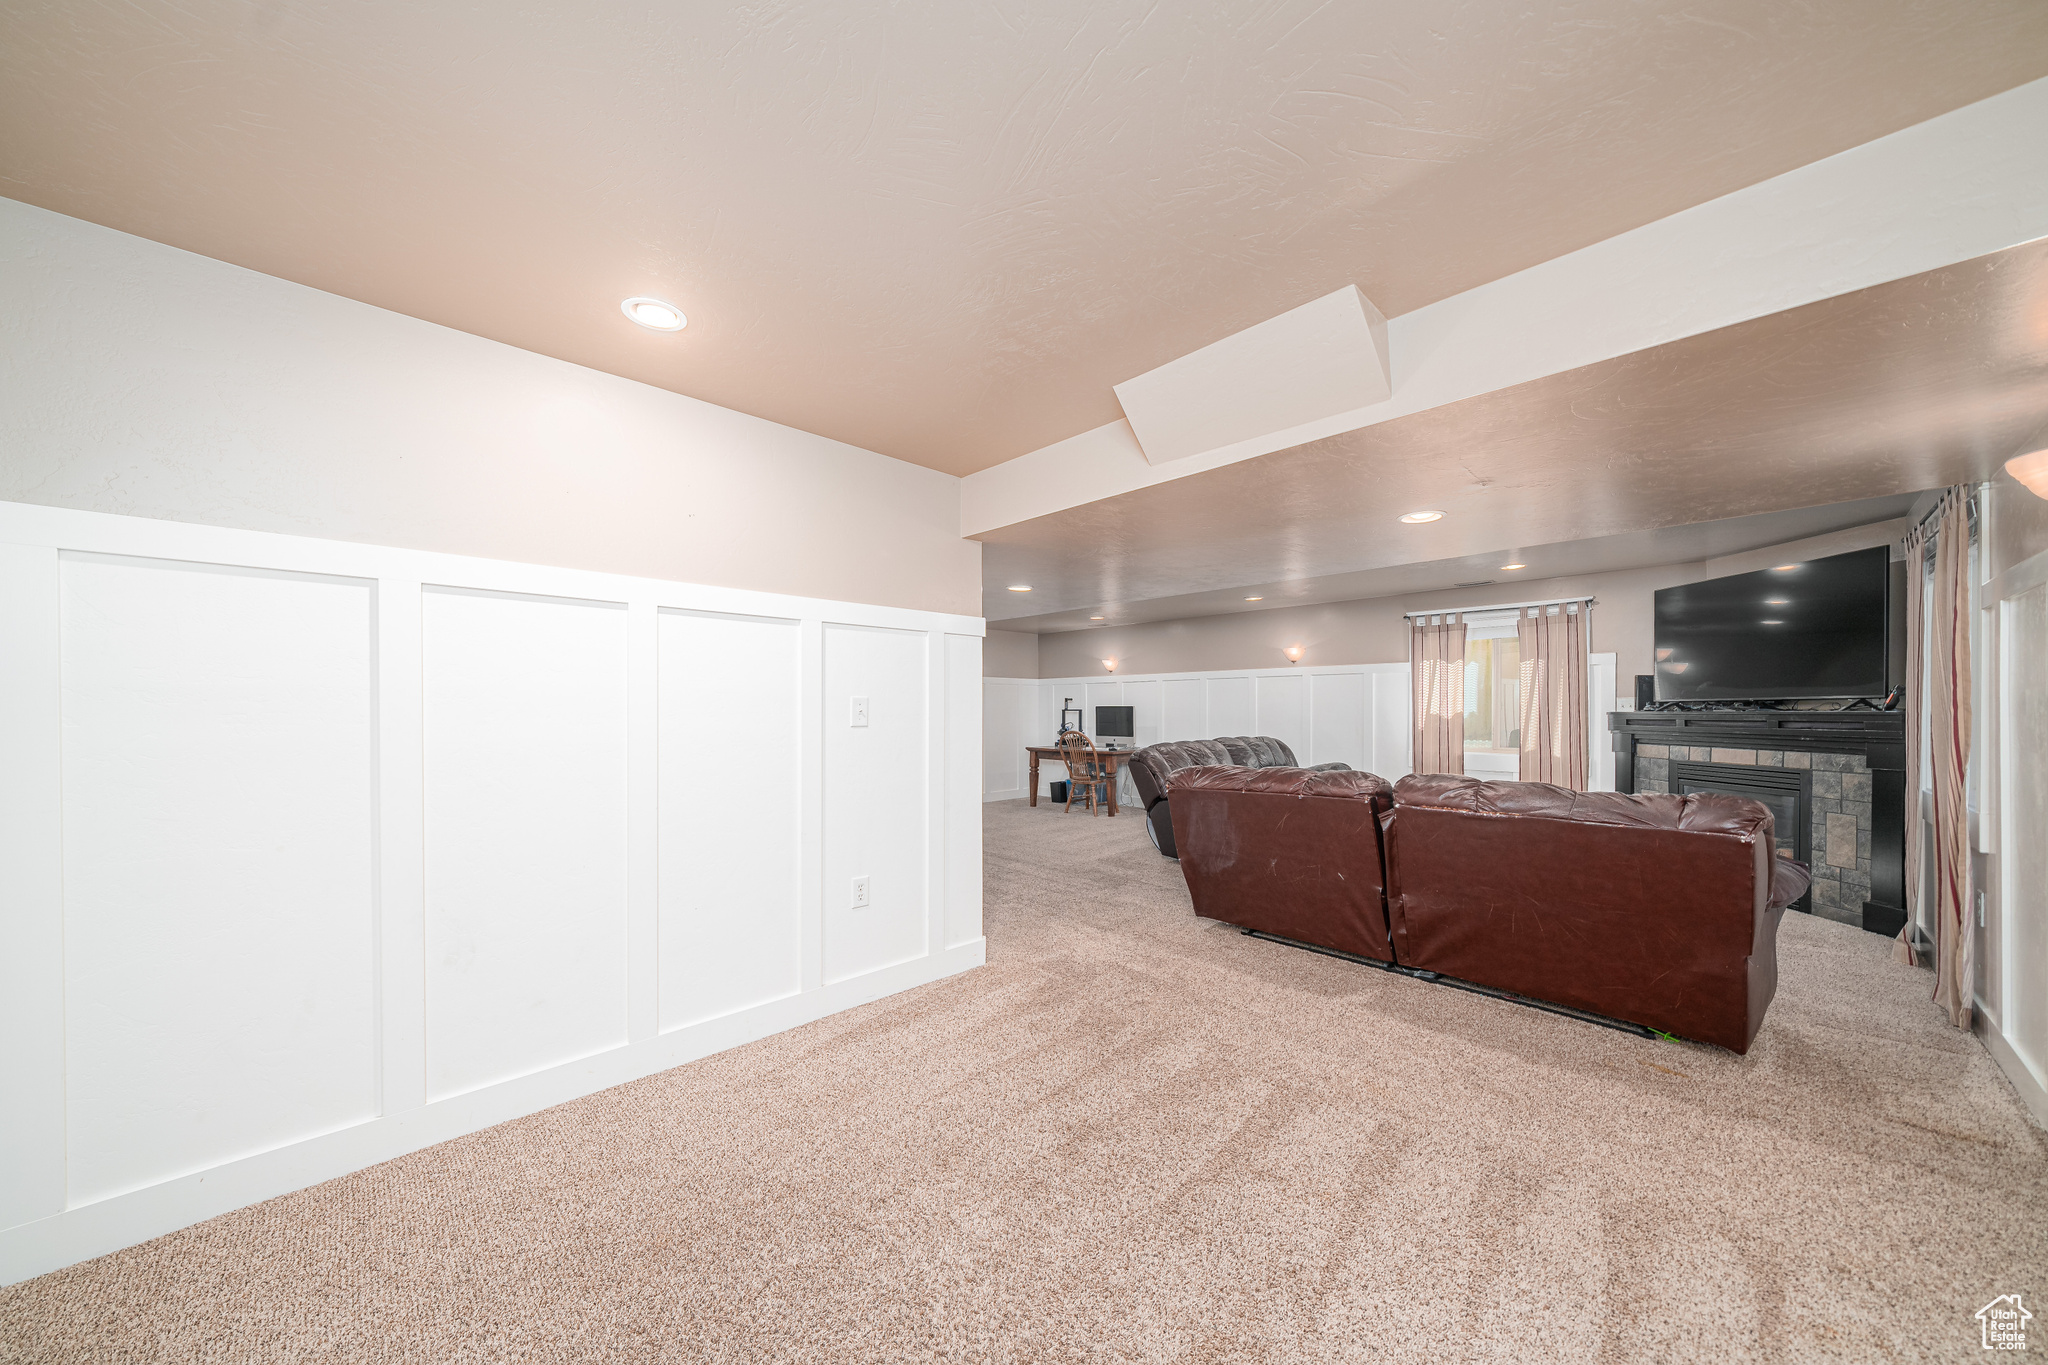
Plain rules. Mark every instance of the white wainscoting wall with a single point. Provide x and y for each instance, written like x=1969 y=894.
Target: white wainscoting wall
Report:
x=313 y=854
x=1348 y=713
x=2009 y=812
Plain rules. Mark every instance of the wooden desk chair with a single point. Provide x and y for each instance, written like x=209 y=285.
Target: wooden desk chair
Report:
x=1085 y=771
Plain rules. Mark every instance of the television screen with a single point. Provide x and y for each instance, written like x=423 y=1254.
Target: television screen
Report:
x=1811 y=629
x=1113 y=722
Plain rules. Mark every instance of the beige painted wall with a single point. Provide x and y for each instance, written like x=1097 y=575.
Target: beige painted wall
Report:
x=1373 y=631
x=143 y=380
x=2019 y=523
x=1009 y=654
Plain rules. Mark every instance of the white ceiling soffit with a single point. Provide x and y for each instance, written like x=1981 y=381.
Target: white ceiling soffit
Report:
x=1904 y=386
x=1310 y=363
x=1961 y=186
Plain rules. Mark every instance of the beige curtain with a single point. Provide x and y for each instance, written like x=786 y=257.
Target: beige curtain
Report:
x=1916 y=693
x=1436 y=670
x=1554 y=740
x=1948 y=728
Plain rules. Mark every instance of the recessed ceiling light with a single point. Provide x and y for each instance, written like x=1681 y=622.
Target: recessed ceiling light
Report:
x=1254 y=599
x=1416 y=518
x=1514 y=566
x=1784 y=568
x=655 y=315
x=1095 y=618
x=1777 y=601
x=1774 y=623
x=1020 y=587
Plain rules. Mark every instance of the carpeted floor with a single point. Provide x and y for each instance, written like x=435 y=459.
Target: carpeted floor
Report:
x=1136 y=1135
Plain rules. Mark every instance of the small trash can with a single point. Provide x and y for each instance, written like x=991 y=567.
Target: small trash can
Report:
x=1059 y=793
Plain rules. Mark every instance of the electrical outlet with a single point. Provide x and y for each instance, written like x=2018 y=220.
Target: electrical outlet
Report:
x=860 y=893
x=860 y=712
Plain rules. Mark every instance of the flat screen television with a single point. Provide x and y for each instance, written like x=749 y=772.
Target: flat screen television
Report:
x=1814 y=629
x=1113 y=722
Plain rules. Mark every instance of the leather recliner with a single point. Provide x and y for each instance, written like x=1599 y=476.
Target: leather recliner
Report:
x=1289 y=851
x=1153 y=766
x=1660 y=910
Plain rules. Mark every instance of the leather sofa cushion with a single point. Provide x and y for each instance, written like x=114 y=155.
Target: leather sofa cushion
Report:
x=1284 y=782
x=1704 y=812
x=1268 y=752
x=1153 y=765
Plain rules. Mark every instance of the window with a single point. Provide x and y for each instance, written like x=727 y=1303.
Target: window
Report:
x=1493 y=693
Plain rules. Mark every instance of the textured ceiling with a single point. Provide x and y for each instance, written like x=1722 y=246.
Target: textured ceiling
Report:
x=1915 y=384
x=940 y=231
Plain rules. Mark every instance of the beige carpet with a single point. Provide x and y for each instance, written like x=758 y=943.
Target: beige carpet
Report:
x=1136 y=1135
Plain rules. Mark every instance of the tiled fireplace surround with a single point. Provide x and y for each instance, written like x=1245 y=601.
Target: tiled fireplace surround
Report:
x=1841 y=813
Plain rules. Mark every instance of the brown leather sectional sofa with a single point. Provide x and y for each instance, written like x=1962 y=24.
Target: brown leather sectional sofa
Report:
x=1659 y=910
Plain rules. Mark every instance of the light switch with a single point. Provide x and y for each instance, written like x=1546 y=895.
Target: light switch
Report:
x=860 y=711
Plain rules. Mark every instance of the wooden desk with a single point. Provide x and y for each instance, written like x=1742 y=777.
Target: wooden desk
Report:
x=1112 y=762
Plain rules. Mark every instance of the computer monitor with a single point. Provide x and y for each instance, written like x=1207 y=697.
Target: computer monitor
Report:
x=1113 y=722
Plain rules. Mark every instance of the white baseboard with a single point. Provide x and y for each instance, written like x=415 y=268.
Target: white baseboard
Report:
x=2031 y=1092
x=108 y=1225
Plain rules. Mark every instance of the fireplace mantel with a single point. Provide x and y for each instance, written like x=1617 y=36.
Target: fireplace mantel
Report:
x=1877 y=737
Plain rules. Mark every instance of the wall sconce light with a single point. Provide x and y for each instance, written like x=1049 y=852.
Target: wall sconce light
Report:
x=2031 y=470
x=1294 y=654
x=1109 y=664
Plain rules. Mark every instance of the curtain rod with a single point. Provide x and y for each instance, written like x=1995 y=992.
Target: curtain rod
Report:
x=1949 y=494
x=1588 y=599
x=1940 y=505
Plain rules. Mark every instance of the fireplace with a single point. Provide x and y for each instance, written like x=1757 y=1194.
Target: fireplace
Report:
x=1786 y=792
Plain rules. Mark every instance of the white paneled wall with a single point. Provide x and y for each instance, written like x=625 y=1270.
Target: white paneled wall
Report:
x=523 y=712
x=2013 y=986
x=868 y=769
x=1355 y=714
x=960 y=841
x=217 y=751
x=714 y=962
x=1233 y=708
x=312 y=854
